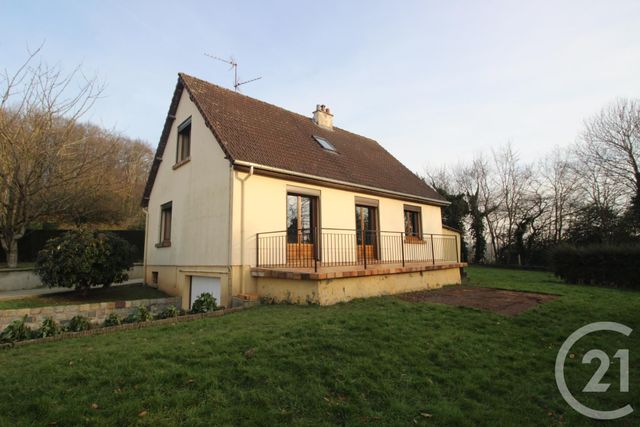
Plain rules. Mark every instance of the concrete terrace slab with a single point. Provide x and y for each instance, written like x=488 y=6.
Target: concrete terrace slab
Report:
x=337 y=272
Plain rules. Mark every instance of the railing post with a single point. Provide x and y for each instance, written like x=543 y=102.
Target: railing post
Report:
x=433 y=253
x=316 y=250
x=364 y=249
x=257 y=249
x=402 y=247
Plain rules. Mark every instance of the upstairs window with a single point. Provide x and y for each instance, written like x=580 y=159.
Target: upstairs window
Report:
x=165 y=225
x=412 y=222
x=183 y=152
x=324 y=143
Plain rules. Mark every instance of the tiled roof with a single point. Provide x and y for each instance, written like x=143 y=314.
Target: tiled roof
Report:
x=253 y=131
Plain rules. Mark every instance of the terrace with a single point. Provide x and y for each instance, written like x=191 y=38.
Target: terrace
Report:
x=329 y=253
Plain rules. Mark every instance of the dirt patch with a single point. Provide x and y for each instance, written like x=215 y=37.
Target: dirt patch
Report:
x=509 y=303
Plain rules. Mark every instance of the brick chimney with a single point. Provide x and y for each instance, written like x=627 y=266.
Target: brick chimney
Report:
x=323 y=117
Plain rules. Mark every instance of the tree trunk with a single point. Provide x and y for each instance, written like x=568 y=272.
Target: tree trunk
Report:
x=11 y=251
x=83 y=288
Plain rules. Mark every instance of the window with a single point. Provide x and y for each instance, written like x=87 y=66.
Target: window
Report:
x=301 y=218
x=154 y=277
x=183 y=152
x=324 y=143
x=412 y=222
x=165 y=225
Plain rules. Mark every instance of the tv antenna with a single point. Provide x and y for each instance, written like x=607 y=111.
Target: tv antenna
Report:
x=234 y=65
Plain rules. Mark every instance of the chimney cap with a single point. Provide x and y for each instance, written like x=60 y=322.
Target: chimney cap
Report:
x=323 y=117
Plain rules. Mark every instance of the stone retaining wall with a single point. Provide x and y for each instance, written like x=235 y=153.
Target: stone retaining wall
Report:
x=95 y=312
x=25 y=278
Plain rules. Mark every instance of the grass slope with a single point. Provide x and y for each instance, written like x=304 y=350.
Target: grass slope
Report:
x=112 y=293
x=380 y=361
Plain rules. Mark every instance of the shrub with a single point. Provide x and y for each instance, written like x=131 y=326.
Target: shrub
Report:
x=16 y=331
x=169 y=312
x=49 y=328
x=142 y=314
x=78 y=323
x=112 y=320
x=83 y=258
x=204 y=303
x=615 y=266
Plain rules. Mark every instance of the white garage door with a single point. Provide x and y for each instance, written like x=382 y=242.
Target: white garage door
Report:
x=201 y=284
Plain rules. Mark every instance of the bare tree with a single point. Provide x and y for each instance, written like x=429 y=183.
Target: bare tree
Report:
x=611 y=143
x=512 y=182
x=557 y=178
x=41 y=152
x=109 y=194
x=474 y=180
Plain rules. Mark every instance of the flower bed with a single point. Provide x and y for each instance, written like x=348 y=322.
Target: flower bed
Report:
x=122 y=327
x=95 y=312
x=85 y=317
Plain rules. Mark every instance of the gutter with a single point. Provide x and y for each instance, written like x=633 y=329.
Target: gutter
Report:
x=242 y=224
x=146 y=244
x=336 y=181
x=230 y=234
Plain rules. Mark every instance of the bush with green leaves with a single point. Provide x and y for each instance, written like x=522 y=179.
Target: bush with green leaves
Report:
x=112 y=320
x=204 y=303
x=169 y=312
x=78 y=324
x=83 y=258
x=141 y=314
x=16 y=331
x=615 y=266
x=144 y=315
x=49 y=328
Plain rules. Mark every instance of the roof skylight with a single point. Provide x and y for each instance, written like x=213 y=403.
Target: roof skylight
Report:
x=324 y=143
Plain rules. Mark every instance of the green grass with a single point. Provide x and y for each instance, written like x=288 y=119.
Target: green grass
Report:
x=381 y=361
x=113 y=293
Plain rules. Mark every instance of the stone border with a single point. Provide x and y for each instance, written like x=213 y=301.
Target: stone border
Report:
x=124 y=327
x=95 y=312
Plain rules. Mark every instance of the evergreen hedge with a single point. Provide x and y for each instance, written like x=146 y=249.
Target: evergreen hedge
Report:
x=614 y=266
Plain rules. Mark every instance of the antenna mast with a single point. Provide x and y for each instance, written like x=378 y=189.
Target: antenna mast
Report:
x=234 y=65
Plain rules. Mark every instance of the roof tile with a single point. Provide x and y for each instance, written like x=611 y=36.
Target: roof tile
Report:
x=254 y=131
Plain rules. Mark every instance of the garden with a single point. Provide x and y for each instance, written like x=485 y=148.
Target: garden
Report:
x=82 y=260
x=385 y=361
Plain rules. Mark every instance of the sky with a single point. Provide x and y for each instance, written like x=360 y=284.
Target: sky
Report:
x=434 y=82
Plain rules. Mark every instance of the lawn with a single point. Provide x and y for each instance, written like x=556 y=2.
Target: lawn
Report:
x=381 y=361
x=112 y=293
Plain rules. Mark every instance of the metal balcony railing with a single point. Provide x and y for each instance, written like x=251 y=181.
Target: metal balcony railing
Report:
x=330 y=247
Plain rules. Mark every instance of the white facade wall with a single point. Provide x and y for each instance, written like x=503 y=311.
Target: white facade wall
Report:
x=259 y=205
x=200 y=194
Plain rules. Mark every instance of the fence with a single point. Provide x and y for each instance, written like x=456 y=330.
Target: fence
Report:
x=311 y=248
x=34 y=240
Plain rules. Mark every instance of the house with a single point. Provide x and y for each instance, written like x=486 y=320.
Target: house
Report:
x=247 y=200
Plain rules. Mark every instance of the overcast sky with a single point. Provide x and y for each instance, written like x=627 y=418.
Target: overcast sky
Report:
x=433 y=82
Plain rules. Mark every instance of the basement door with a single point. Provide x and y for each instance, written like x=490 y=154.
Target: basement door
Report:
x=202 y=284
